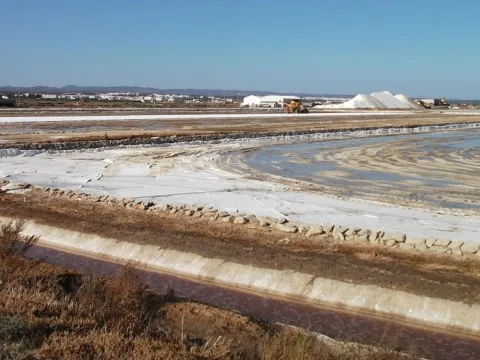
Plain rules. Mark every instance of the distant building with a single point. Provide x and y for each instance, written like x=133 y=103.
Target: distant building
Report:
x=272 y=100
x=269 y=100
x=49 y=96
x=251 y=100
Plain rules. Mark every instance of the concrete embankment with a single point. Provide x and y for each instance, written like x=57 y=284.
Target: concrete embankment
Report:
x=386 y=302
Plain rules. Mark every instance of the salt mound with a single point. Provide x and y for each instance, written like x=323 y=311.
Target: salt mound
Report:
x=358 y=102
x=389 y=101
x=406 y=100
x=376 y=100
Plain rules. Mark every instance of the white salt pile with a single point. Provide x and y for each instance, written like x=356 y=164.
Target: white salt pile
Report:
x=412 y=103
x=376 y=100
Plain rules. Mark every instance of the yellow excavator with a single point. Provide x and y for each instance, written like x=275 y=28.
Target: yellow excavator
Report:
x=295 y=107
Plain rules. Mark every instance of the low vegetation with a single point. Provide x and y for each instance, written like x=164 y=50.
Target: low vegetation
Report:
x=47 y=312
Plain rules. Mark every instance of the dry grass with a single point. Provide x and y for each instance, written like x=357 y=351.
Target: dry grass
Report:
x=49 y=313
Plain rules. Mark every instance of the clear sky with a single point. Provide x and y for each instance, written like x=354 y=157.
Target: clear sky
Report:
x=417 y=47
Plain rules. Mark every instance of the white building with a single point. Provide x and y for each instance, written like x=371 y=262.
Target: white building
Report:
x=251 y=100
x=272 y=100
x=49 y=96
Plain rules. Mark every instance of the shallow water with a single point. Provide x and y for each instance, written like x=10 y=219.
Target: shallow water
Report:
x=333 y=322
x=379 y=166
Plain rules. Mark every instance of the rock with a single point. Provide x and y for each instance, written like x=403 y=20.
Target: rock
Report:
x=194 y=208
x=389 y=243
x=328 y=228
x=438 y=249
x=421 y=247
x=251 y=218
x=197 y=214
x=189 y=212
x=315 y=230
x=282 y=221
x=430 y=241
x=455 y=244
x=162 y=207
x=398 y=237
x=349 y=232
x=364 y=232
x=174 y=210
x=404 y=246
x=321 y=237
x=414 y=241
x=442 y=242
x=350 y=238
x=338 y=236
x=239 y=220
x=288 y=228
x=457 y=251
x=361 y=238
x=228 y=219
x=262 y=222
x=375 y=237
x=140 y=206
x=340 y=229
x=302 y=229
x=215 y=217
x=209 y=210
x=223 y=213
x=470 y=248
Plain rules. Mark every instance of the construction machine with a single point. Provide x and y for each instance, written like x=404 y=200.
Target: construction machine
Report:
x=295 y=107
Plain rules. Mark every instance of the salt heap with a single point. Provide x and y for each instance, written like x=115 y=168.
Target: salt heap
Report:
x=412 y=103
x=376 y=100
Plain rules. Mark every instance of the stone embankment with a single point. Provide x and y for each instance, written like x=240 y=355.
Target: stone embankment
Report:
x=161 y=140
x=315 y=233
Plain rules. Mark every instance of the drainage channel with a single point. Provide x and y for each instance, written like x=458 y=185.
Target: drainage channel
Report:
x=333 y=322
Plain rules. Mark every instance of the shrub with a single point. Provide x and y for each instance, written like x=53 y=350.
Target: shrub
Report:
x=12 y=241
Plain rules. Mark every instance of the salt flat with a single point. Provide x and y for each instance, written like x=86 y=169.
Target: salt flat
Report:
x=189 y=174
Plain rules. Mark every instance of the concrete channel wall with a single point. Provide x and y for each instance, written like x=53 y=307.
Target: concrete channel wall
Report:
x=373 y=299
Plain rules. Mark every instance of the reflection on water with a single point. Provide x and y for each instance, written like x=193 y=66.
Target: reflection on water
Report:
x=331 y=322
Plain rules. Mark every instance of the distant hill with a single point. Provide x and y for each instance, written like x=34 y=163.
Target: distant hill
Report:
x=146 y=90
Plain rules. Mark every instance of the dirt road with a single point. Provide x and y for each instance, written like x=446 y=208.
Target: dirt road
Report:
x=101 y=130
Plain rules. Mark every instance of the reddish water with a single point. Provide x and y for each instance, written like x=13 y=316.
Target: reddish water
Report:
x=329 y=321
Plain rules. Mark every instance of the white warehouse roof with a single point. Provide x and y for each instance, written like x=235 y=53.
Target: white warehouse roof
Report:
x=278 y=98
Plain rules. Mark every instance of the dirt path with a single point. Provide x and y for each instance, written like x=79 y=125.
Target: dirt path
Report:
x=101 y=130
x=433 y=276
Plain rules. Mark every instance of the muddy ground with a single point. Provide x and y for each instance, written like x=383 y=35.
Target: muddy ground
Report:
x=101 y=130
x=437 y=276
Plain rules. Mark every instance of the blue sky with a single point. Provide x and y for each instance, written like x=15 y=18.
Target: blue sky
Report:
x=420 y=48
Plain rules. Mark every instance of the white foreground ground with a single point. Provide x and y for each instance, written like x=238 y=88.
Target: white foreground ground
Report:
x=189 y=175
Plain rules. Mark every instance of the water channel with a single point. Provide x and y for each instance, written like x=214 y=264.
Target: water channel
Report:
x=333 y=322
